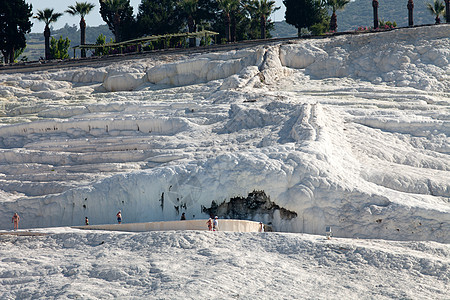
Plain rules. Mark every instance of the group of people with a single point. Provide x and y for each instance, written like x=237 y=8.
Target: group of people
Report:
x=118 y=215
x=213 y=225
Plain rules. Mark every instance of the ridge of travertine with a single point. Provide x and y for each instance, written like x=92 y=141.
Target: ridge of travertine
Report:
x=349 y=132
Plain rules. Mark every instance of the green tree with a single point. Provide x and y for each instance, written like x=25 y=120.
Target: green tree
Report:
x=436 y=9
x=304 y=13
x=335 y=5
x=18 y=53
x=261 y=10
x=59 y=49
x=101 y=40
x=205 y=16
x=232 y=22
x=206 y=11
x=228 y=8
x=47 y=16
x=159 y=17
x=118 y=14
x=81 y=9
x=14 y=24
x=321 y=27
x=189 y=9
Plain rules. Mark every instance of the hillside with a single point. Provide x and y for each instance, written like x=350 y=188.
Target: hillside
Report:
x=283 y=29
x=349 y=132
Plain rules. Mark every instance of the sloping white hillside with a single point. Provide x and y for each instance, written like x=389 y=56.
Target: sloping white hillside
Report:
x=218 y=265
x=350 y=132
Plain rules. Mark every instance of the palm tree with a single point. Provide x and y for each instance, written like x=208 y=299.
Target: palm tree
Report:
x=447 y=11
x=262 y=9
x=375 y=13
x=189 y=7
x=228 y=7
x=436 y=9
x=82 y=9
x=48 y=16
x=335 y=5
x=410 y=7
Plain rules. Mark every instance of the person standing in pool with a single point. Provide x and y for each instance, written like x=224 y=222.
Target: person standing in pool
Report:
x=119 y=217
x=216 y=224
x=15 y=220
x=209 y=223
x=261 y=227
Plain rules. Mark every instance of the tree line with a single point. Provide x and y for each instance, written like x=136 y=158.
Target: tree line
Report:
x=234 y=20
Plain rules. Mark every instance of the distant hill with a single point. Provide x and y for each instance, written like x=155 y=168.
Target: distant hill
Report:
x=35 y=41
x=283 y=29
x=360 y=13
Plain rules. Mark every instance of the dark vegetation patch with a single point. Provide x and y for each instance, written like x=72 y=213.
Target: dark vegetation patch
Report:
x=257 y=206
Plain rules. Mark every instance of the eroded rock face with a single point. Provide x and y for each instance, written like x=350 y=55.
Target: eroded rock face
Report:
x=208 y=67
x=122 y=82
x=256 y=206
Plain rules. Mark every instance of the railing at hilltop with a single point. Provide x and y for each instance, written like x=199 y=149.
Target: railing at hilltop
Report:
x=40 y=65
x=140 y=43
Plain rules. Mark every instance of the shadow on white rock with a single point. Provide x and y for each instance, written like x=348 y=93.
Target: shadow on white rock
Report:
x=123 y=82
x=205 y=68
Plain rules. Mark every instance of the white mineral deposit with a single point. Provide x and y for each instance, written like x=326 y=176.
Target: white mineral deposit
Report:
x=348 y=132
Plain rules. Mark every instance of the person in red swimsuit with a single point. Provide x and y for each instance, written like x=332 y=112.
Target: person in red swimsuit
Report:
x=209 y=223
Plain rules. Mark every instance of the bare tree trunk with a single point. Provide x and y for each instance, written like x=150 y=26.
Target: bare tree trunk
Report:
x=83 y=36
x=11 y=56
x=233 y=28
x=375 y=13
x=117 y=28
x=263 y=27
x=333 y=22
x=229 y=28
x=410 y=12
x=191 y=25
x=438 y=20
x=447 y=10
x=6 y=55
x=47 y=42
